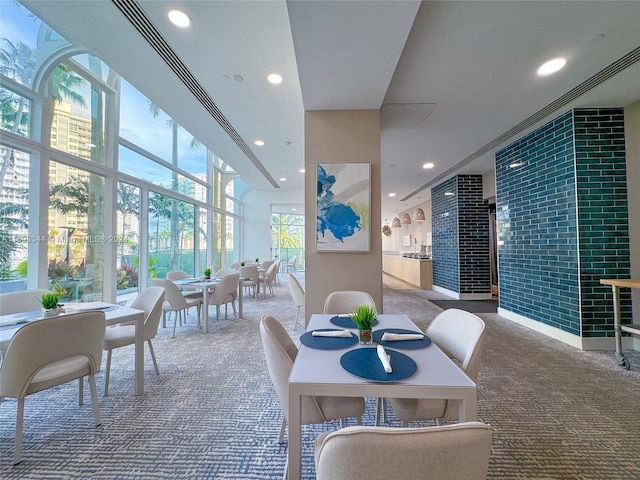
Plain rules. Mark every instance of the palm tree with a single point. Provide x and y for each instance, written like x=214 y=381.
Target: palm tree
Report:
x=159 y=207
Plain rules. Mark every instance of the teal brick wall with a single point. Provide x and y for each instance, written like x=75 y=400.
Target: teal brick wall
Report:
x=563 y=221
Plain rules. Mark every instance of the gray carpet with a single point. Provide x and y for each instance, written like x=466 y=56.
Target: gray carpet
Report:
x=557 y=412
x=473 y=306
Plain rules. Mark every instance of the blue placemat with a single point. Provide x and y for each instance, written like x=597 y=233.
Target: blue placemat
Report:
x=346 y=322
x=364 y=363
x=401 y=344
x=327 y=343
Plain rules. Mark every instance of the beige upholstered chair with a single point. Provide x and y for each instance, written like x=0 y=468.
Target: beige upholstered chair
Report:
x=346 y=301
x=291 y=264
x=278 y=262
x=225 y=293
x=297 y=292
x=223 y=272
x=181 y=275
x=175 y=301
x=267 y=279
x=266 y=264
x=49 y=352
x=459 y=334
x=150 y=300
x=23 y=301
x=281 y=352
x=451 y=452
x=236 y=265
x=249 y=278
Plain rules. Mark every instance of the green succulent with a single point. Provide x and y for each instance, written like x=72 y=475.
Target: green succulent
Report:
x=364 y=316
x=50 y=300
x=207 y=272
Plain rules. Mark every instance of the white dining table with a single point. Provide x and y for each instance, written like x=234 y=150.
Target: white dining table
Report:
x=206 y=287
x=115 y=314
x=318 y=372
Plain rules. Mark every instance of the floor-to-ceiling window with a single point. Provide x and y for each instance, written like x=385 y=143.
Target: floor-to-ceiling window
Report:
x=287 y=237
x=109 y=191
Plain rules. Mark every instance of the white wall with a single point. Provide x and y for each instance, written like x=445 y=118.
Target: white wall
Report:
x=419 y=231
x=257 y=217
x=632 y=136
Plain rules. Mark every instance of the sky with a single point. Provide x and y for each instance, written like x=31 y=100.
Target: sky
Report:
x=136 y=122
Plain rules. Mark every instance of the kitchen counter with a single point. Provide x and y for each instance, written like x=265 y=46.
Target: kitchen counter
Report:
x=416 y=271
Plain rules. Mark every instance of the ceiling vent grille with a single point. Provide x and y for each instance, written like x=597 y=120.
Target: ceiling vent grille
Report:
x=136 y=16
x=616 y=67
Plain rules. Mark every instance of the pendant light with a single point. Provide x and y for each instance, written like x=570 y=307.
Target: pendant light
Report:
x=395 y=223
x=418 y=215
x=406 y=219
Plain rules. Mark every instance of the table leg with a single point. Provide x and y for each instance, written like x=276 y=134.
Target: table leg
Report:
x=139 y=354
x=294 y=450
x=617 y=323
x=240 y=302
x=468 y=409
x=205 y=307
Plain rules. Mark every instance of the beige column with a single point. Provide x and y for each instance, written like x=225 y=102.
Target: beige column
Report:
x=341 y=136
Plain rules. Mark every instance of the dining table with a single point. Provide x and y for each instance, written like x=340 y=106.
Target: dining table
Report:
x=344 y=372
x=115 y=314
x=207 y=287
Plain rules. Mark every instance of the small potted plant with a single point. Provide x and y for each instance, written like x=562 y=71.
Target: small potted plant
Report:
x=364 y=317
x=243 y=263
x=50 y=307
x=207 y=273
x=257 y=260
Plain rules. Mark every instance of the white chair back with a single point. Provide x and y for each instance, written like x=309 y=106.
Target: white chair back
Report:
x=236 y=264
x=346 y=301
x=150 y=300
x=297 y=292
x=281 y=352
x=266 y=264
x=223 y=272
x=226 y=290
x=249 y=272
x=172 y=293
x=177 y=275
x=450 y=452
x=23 y=301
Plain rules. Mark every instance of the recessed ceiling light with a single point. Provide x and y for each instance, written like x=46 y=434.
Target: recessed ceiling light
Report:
x=237 y=78
x=392 y=194
x=258 y=142
x=552 y=66
x=282 y=179
x=294 y=209
x=428 y=165
x=596 y=38
x=179 y=18
x=302 y=170
x=274 y=78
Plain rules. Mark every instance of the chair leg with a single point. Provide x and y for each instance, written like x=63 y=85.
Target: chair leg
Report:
x=153 y=357
x=282 y=427
x=94 y=400
x=233 y=305
x=342 y=424
x=175 y=321
x=218 y=312
x=164 y=319
x=106 y=375
x=358 y=420
x=295 y=323
x=81 y=391
x=17 y=451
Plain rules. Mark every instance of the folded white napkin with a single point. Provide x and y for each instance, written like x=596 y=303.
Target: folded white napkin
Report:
x=395 y=337
x=20 y=318
x=385 y=358
x=344 y=315
x=332 y=333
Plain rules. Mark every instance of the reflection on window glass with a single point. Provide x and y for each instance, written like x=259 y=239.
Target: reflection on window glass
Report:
x=16 y=110
x=76 y=237
x=14 y=218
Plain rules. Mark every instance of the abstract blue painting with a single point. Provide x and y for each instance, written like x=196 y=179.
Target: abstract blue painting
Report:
x=344 y=207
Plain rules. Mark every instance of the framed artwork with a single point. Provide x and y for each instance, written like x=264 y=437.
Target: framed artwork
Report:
x=343 y=207
x=406 y=240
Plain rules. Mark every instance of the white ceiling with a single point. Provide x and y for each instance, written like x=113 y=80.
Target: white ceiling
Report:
x=475 y=60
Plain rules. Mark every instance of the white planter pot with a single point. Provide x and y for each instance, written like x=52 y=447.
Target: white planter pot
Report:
x=52 y=312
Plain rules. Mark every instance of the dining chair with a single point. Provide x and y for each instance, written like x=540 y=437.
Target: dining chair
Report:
x=236 y=264
x=278 y=261
x=150 y=300
x=174 y=275
x=450 y=452
x=281 y=352
x=297 y=292
x=92 y=297
x=345 y=301
x=266 y=264
x=175 y=301
x=225 y=293
x=266 y=280
x=459 y=334
x=49 y=352
x=22 y=301
x=291 y=264
x=249 y=278
x=223 y=272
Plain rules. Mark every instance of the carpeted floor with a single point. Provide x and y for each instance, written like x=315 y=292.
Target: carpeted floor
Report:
x=556 y=412
x=473 y=306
